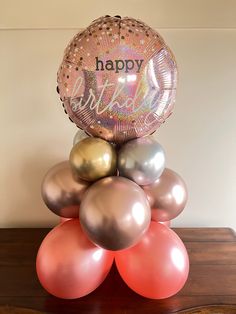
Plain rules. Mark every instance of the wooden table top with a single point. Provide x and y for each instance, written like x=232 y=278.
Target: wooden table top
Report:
x=212 y=278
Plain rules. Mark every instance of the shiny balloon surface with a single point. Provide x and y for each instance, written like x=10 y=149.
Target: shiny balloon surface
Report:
x=158 y=266
x=118 y=79
x=68 y=265
x=165 y=223
x=167 y=196
x=115 y=213
x=141 y=160
x=61 y=192
x=92 y=159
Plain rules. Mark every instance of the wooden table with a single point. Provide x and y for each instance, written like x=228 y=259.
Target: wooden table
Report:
x=212 y=278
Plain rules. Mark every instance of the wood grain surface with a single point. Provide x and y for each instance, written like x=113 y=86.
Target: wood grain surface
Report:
x=212 y=278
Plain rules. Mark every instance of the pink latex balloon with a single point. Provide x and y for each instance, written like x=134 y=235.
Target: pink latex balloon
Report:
x=68 y=265
x=157 y=267
x=118 y=79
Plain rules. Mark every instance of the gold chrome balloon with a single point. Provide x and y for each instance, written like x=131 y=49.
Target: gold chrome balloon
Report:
x=92 y=159
x=61 y=193
x=115 y=213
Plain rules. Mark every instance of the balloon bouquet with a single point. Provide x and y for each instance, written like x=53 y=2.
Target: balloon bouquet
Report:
x=117 y=82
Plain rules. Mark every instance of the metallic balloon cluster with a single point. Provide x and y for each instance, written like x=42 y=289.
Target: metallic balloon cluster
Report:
x=117 y=195
x=118 y=198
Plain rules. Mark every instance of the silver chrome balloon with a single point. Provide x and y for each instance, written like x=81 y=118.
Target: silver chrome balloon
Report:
x=141 y=160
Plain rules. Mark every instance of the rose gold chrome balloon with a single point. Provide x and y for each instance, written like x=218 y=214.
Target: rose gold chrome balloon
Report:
x=118 y=79
x=93 y=158
x=167 y=196
x=115 y=213
x=61 y=193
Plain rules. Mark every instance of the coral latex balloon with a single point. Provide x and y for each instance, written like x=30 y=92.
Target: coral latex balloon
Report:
x=68 y=265
x=118 y=79
x=157 y=267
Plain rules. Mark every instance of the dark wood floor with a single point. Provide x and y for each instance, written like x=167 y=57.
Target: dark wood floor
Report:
x=212 y=278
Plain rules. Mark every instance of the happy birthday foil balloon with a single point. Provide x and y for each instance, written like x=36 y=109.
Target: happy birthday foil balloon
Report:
x=118 y=79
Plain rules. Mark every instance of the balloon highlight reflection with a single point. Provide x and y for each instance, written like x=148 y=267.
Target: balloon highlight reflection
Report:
x=115 y=213
x=118 y=79
x=141 y=160
x=157 y=267
x=93 y=158
x=68 y=265
x=61 y=192
x=167 y=196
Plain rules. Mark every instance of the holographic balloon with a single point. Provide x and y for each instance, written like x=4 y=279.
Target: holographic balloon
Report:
x=118 y=79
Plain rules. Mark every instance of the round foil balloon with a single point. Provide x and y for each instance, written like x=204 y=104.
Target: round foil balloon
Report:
x=118 y=79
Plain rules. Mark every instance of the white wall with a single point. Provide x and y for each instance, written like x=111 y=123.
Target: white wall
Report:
x=199 y=138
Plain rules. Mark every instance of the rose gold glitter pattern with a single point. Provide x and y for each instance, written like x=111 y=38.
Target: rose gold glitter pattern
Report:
x=118 y=79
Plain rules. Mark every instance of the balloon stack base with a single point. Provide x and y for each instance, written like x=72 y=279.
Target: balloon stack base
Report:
x=115 y=195
x=212 y=253
x=160 y=259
